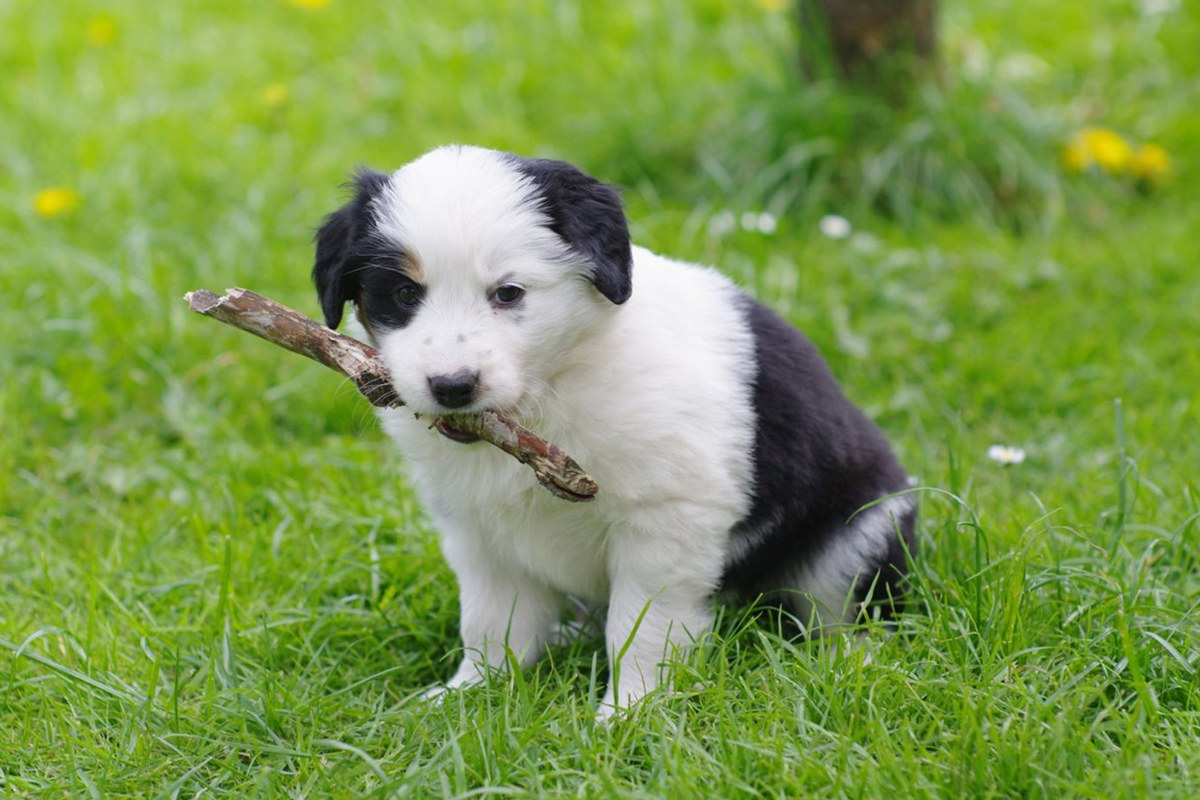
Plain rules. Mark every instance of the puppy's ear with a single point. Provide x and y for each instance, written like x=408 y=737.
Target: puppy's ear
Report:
x=587 y=215
x=335 y=270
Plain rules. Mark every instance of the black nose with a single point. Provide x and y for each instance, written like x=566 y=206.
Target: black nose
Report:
x=454 y=391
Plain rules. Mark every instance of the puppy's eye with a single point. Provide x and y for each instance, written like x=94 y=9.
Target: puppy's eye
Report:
x=409 y=294
x=508 y=295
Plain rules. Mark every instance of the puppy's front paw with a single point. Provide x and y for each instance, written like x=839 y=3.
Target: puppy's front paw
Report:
x=611 y=708
x=438 y=694
x=469 y=674
x=434 y=694
x=607 y=712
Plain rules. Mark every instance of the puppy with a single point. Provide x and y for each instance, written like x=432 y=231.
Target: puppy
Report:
x=729 y=461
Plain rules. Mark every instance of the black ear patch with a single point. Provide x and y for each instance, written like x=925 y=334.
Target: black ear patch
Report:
x=587 y=215
x=336 y=268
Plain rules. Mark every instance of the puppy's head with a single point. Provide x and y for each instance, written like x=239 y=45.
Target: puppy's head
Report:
x=475 y=272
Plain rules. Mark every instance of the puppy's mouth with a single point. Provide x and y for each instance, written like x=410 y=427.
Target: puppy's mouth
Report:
x=446 y=427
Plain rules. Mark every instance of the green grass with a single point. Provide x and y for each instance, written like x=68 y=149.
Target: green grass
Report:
x=213 y=578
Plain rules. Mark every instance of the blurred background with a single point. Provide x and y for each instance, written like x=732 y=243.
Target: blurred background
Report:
x=984 y=213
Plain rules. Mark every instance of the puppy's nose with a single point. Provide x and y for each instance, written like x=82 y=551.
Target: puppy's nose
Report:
x=454 y=391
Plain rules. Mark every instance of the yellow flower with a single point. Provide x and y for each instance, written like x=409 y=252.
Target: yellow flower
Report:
x=101 y=30
x=1075 y=155
x=771 y=5
x=311 y=5
x=1150 y=163
x=1100 y=147
x=55 y=201
x=275 y=94
x=1108 y=149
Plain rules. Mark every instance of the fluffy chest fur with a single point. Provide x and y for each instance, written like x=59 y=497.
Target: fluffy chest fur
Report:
x=656 y=405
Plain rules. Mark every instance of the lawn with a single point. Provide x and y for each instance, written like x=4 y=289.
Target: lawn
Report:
x=214 y=579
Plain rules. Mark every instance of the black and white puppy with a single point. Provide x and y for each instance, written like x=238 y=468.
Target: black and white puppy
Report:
x=729 y=460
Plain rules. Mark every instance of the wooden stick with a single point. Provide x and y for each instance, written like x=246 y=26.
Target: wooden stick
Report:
x=293 y=331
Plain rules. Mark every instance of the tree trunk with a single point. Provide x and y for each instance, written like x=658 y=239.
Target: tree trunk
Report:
x=870 y=42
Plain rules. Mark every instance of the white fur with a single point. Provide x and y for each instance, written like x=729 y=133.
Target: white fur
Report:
x=652 y=397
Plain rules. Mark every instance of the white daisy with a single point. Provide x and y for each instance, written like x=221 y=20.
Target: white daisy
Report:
x=721 y=223
x=834 y=226
x=1006 y=455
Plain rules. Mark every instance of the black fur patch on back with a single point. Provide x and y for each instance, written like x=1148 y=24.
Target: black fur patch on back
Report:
x=587 y=215
x=817 y=460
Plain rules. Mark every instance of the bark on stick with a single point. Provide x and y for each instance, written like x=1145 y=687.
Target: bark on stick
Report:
x=293 y=331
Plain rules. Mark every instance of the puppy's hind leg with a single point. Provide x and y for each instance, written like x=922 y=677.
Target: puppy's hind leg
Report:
x=865 y=563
